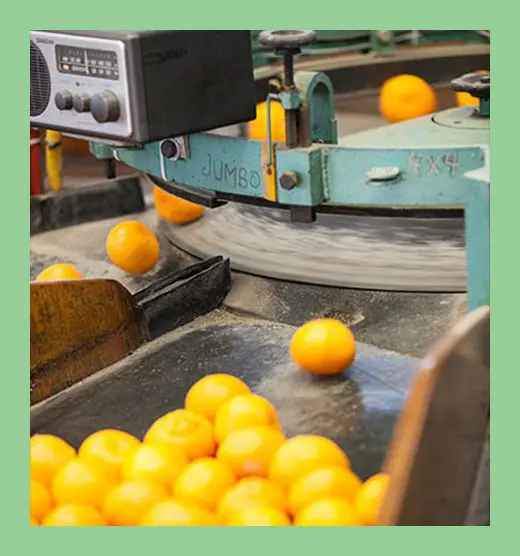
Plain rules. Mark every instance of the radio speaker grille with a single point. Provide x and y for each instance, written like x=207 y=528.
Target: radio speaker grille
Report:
x=40 y=82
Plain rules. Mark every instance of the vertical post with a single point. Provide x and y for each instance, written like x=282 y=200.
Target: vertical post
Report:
x=36 y=166
x=53 y=159
x=477 y=221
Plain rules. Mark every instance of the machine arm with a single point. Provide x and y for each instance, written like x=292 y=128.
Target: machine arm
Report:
x=423 y=163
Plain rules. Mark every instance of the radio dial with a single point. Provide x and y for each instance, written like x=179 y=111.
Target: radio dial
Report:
x=82 y=102
x=105 y=107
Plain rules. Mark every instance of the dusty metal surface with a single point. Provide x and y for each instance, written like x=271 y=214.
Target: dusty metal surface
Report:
x=357 y=409
x=407 y=323
x=84 y=246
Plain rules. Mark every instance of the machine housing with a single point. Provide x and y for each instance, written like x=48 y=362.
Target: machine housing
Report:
x=140 y=86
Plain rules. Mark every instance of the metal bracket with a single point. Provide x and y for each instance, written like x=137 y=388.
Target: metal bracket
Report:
x=317 y=92
x=172 y=148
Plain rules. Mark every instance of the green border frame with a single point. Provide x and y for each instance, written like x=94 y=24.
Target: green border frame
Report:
x=18 y=18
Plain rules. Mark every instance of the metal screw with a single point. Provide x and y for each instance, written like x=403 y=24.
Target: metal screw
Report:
x=289 y=180
x=169 y=149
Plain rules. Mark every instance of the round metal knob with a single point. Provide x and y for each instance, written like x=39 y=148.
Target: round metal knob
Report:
x=105 y=107
x=286 y=39
x=82 y=102
x=63 y=100
x=478 y=85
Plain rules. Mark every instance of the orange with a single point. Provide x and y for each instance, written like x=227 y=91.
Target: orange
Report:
x=257 y=129
x=77 y=482
x=249 y=492
x=34 y=522
x=328 y=512
x=405 y=97
x=302 y=454
x=259 y=516
x=243 y=412
x=208 y=394
x=323 y=483
x=184 y=430
x=323 y=347
x=174 y=209
x=127 y=502
x=250 y=451
x=203 y=483
x=48 y=454
x=59 y=272
x=74 y=515
x=171 y=512
x=107 y=449
x=159 y=464
x=133 y=247
x=41 y=502
x=465 y=99
x=370 y=498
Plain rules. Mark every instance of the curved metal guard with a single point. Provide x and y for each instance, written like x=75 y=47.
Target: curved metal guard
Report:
x=318 y=94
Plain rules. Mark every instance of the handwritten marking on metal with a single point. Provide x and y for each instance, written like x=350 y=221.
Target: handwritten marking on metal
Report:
x=430 y=165
x=231 y=175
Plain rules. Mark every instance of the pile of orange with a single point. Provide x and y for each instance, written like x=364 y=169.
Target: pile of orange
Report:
x=221 y=460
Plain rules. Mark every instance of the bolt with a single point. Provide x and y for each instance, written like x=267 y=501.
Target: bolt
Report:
x=169 y=149
x=289 y=180
x=384 y=37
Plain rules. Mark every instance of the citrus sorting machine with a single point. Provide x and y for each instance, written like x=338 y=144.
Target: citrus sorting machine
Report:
x=150 y=99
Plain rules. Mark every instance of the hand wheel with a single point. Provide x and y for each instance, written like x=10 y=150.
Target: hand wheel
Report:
x=478 y=85
x=288 y=44
x=286 y=40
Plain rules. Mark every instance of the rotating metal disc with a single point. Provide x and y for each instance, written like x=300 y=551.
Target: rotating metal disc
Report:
x=364 y=252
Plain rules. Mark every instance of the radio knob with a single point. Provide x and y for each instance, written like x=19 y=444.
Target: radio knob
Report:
x=63 y=100
x=105 y=107
x=82 y=102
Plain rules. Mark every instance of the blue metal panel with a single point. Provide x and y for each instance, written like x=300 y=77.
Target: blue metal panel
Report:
x=427 y=177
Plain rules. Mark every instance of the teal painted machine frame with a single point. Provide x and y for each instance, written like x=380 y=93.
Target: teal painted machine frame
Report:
x=426 y=163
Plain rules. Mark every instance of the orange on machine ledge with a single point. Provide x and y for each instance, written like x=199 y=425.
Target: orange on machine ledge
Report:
x=133 y=247
x=405 y=97
x=174 y=209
